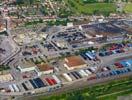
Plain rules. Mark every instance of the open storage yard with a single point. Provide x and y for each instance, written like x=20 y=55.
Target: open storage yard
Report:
x=109 y=91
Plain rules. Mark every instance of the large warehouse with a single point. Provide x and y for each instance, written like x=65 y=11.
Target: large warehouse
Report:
x=74 y=62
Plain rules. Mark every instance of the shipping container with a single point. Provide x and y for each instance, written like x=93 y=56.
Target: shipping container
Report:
x=39 y=82
x=53 y=81
x=49 y=81
x=29 y=85
x=84 y=72
x=25 y=87
x=81 y=73
x=93 y=69
x=88 y=72
x=89 y=56
x=26 y=84
x=114 y=73
x=33 y=84
x=11 y=88
x=16 y=88
x=74 y=75
x=84 y=56
x=56 y=78
x=78 y=74
x=67 y=77
x=44 y=81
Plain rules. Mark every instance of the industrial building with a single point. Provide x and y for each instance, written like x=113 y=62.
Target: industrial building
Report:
x=108 y=31
x=44 y=69
x=74 y=62
x=26 y=66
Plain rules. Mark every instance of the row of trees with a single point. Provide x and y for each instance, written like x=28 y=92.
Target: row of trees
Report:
x=105 y=1
x=30 y=2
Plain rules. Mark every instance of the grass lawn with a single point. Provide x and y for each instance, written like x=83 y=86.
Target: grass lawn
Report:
x=114 y=96
x=81 y=8
x=128 y=8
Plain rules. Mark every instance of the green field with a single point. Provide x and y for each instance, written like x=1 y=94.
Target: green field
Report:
x=128 y=8
x=79 y=7
x=107 y=91
x=114 y=96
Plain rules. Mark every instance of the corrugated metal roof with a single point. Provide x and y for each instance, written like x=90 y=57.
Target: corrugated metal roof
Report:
x=74 y=61
x=44 y=67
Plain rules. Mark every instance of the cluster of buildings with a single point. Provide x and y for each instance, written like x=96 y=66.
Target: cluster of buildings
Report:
x=42 y=68
x=70 y=63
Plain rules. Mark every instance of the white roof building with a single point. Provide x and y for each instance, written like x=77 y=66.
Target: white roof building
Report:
x=26 y=66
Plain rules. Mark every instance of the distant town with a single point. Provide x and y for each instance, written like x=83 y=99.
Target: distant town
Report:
x=65 y=49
